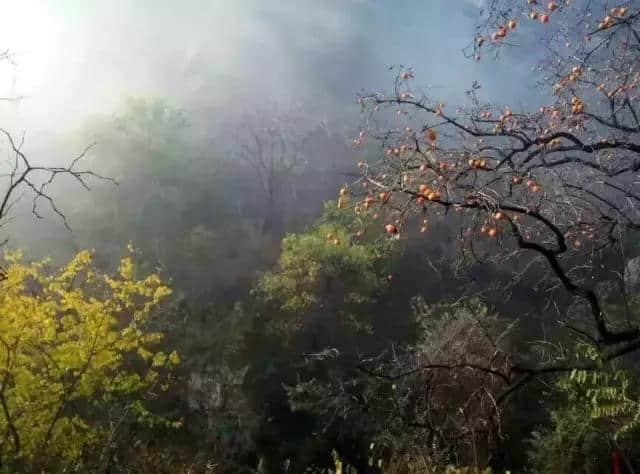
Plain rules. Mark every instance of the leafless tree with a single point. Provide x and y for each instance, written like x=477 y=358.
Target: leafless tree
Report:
x=273 y=145
x=448 y=387
x=20 y=176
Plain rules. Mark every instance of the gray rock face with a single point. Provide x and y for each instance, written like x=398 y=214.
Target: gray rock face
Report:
x=213 y=392
x=632 y=276
x=205 y=393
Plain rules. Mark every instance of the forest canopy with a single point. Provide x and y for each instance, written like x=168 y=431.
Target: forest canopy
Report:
x=408 y=278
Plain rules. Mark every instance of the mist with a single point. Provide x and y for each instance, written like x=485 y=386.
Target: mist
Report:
x=319 y=236
x=73 y=59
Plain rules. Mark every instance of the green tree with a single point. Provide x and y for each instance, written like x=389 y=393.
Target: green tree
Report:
x=311 y=317
x=327 y=272
x=593 y=411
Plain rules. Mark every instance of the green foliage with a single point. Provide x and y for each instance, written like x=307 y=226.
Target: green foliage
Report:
x=612 y=396
x=326 y=268
x=598 y=410
x=312 y=314
x=574 y=444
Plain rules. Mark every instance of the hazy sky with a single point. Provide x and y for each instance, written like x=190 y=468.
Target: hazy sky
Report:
x=79 y=57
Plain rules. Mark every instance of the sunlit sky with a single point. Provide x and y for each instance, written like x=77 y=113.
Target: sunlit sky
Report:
x=74 y=58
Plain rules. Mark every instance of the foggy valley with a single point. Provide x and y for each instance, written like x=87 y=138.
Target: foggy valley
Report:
x=331 y=236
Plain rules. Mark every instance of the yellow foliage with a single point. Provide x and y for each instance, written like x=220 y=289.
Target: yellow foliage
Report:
x=67 y=339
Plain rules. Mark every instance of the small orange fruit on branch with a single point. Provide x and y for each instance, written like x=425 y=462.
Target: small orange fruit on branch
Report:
x=391 y=229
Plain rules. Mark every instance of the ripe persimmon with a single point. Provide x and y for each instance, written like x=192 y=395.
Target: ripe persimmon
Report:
x=391 y=229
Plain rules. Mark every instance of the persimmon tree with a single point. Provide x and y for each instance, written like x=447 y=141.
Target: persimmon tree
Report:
x=74 y=342
x=554 y=188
